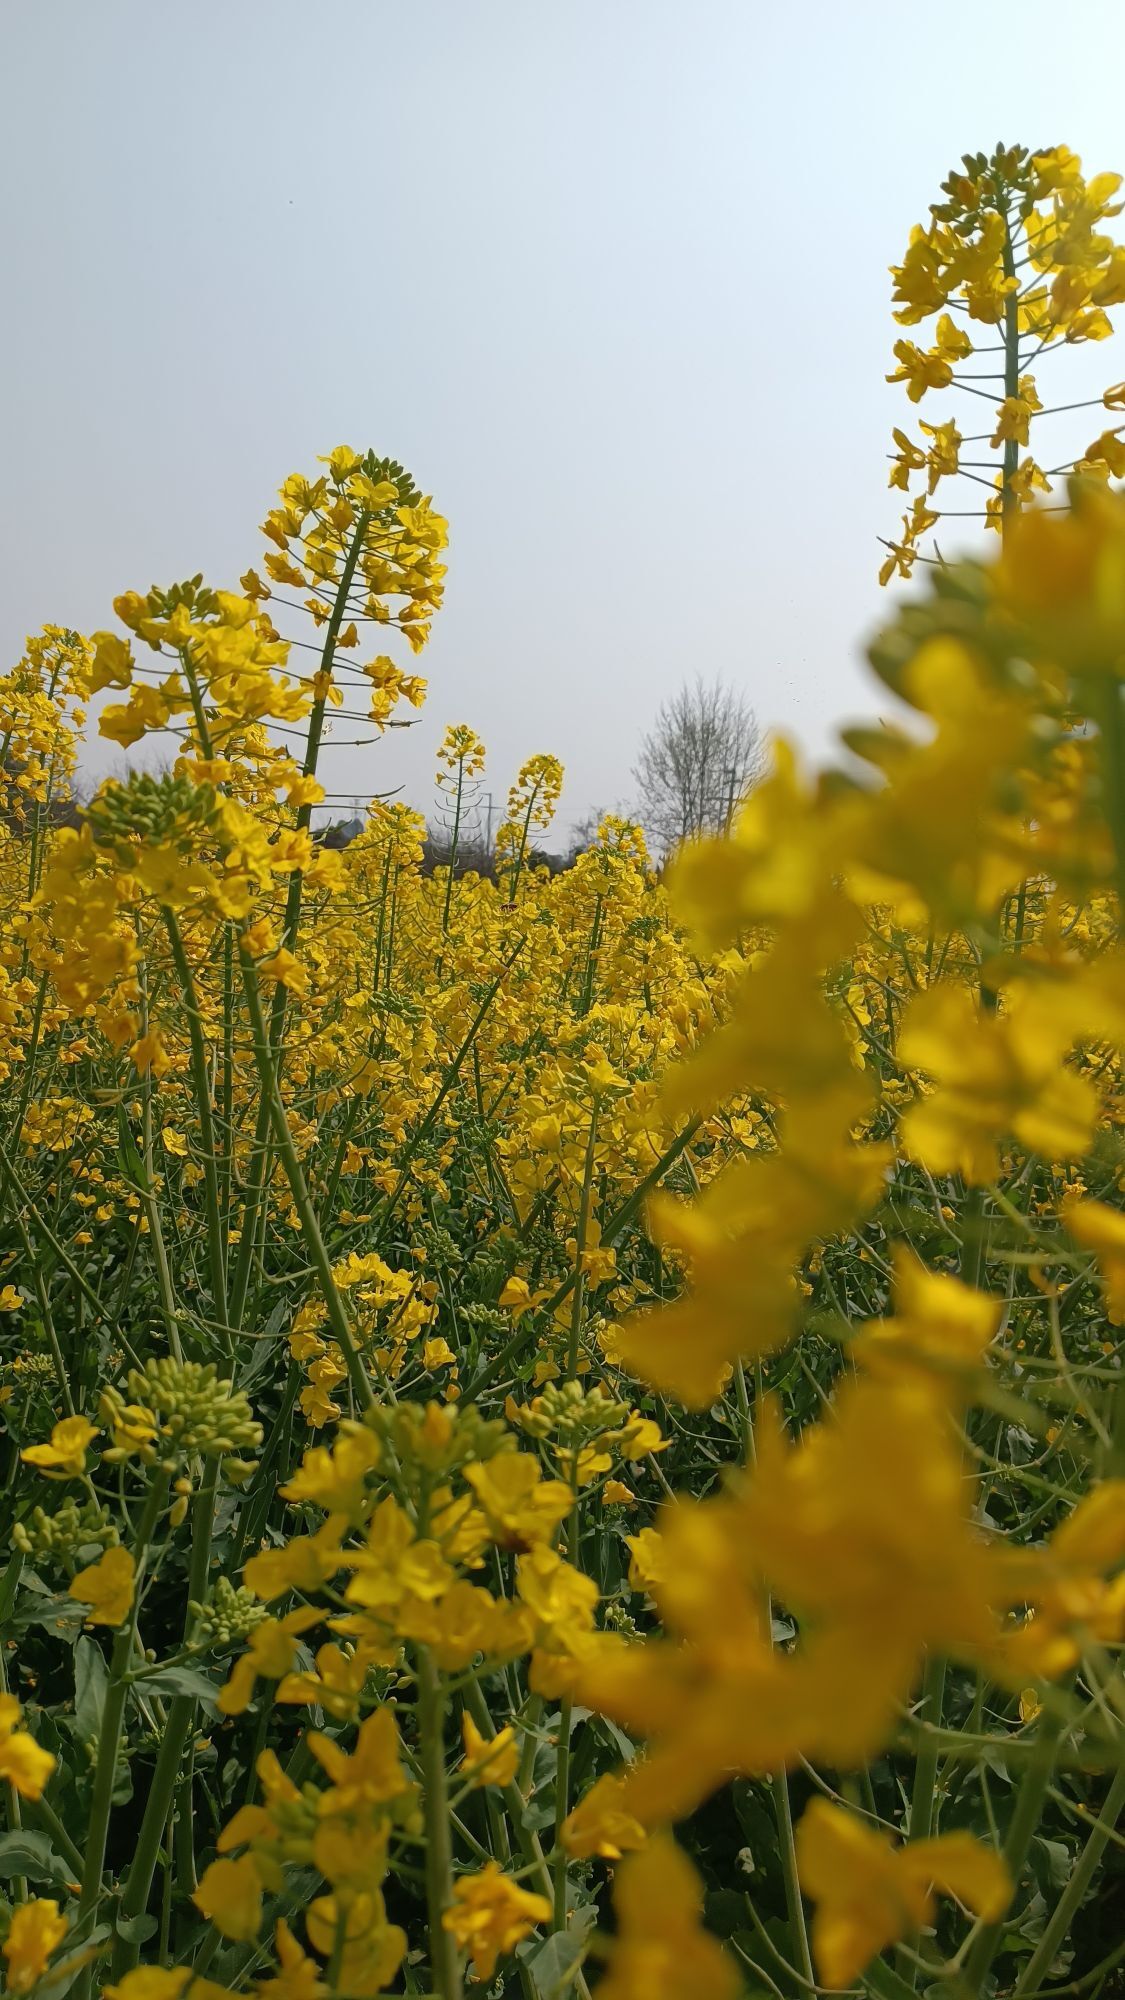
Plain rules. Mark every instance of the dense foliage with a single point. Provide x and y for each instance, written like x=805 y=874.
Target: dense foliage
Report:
x=494 y=1370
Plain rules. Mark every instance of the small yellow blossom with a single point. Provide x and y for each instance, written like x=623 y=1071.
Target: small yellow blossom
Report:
x=107 y=1587
x=489 y=1916
x=65 y=1456
x=489 y=1760
x=36 y=1930
x=22 y=1762
x=521 y=1507
x=230 y=1896
x=870 y=1894
x=660 y=1946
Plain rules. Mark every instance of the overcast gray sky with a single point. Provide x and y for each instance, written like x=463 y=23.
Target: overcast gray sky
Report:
x=609 y=276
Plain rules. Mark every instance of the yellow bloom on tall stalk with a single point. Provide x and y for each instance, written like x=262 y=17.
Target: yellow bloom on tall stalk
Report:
x=453 y=1173
x=660 y=1946
x=870 y=1894
x=490 y=1915
x=995 y=1074
x=64 y=1456
x=372 y=1774
x=164 y=1982
x=230 y=1896
x=519 y=1505
x=461 y=750
x=372 y=1948
x=531 y=808
x=941 y=1328
x=23 y=1763
x=1014 y=246
x=270 y=1653
x=1061 y=582
x=1098 y=1227
x=36 y=1931
x=601 y=1824
x=106 y=1586
x=489 y=1760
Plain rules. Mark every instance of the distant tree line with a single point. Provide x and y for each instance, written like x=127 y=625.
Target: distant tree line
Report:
x=696 y=763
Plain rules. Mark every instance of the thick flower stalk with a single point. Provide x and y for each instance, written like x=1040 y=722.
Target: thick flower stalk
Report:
x=1012 y=267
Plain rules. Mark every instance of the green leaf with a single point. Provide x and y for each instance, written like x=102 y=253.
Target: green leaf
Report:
x=131 y=1160
x=27 y=1852
x=1051 y=1862
x=554 y=1962
x=61 y=1614
x=608 y=1732
x=9 y=1584
x=181 y=1680
x=136 y=1930
x=91 y=1679
x=263 y=1358
x=881 y=1979
x=725 y=1911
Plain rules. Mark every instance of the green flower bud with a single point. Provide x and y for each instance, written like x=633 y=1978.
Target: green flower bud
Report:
x=172 y=1409
x=228 y=1617
x=66 y=1536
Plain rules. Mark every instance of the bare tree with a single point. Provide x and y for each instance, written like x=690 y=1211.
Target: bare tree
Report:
x=583 y=833
x=700 y=757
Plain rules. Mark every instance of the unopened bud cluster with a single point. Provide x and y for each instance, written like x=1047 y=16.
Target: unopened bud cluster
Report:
x=228 y=1617
x=68 y=1534
x=439 y=1437
x=175 y=1408
x=164 y=809
x=571 y=1414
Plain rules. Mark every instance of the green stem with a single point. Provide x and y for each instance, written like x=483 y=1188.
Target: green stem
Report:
x=618 y=1222
x=578 y=1295
x=298 y=1188
x=316 y=718
x=1105 y=702
x=257 y=1182
x=12 y=1801
x=1008 y=502
x=562 y=1809
x=453 y=850
x=117 y=1690
x=52 y=1825
x=146 y=1190
x=181 y=1715
x=923 y=1797
x=787 y=1847
x=30 y=1053
x=43 y=1298
x=444 y=1959
x=1025 y=1819
x=515 y=1796
x=227 y=1090
x=517 y=871
x=452 y=1072
x=1074 y=1894
x=586 y=997
x=579 y=1291
x=779 y=1783
x=9 y=1177
x=201 y=1086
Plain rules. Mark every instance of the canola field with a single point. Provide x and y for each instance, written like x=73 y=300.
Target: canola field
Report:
x=564 y=1433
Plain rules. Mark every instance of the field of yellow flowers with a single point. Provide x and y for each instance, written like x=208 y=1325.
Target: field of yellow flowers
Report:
x=566 y=1433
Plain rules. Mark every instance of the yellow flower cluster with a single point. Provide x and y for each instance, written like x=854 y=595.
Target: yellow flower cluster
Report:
x=1016 y=249
x=491 y=1358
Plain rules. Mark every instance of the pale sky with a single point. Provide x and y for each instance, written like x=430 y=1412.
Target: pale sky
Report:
x=609 y=276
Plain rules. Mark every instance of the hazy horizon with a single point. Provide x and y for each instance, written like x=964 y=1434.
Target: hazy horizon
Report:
x=610 y=280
